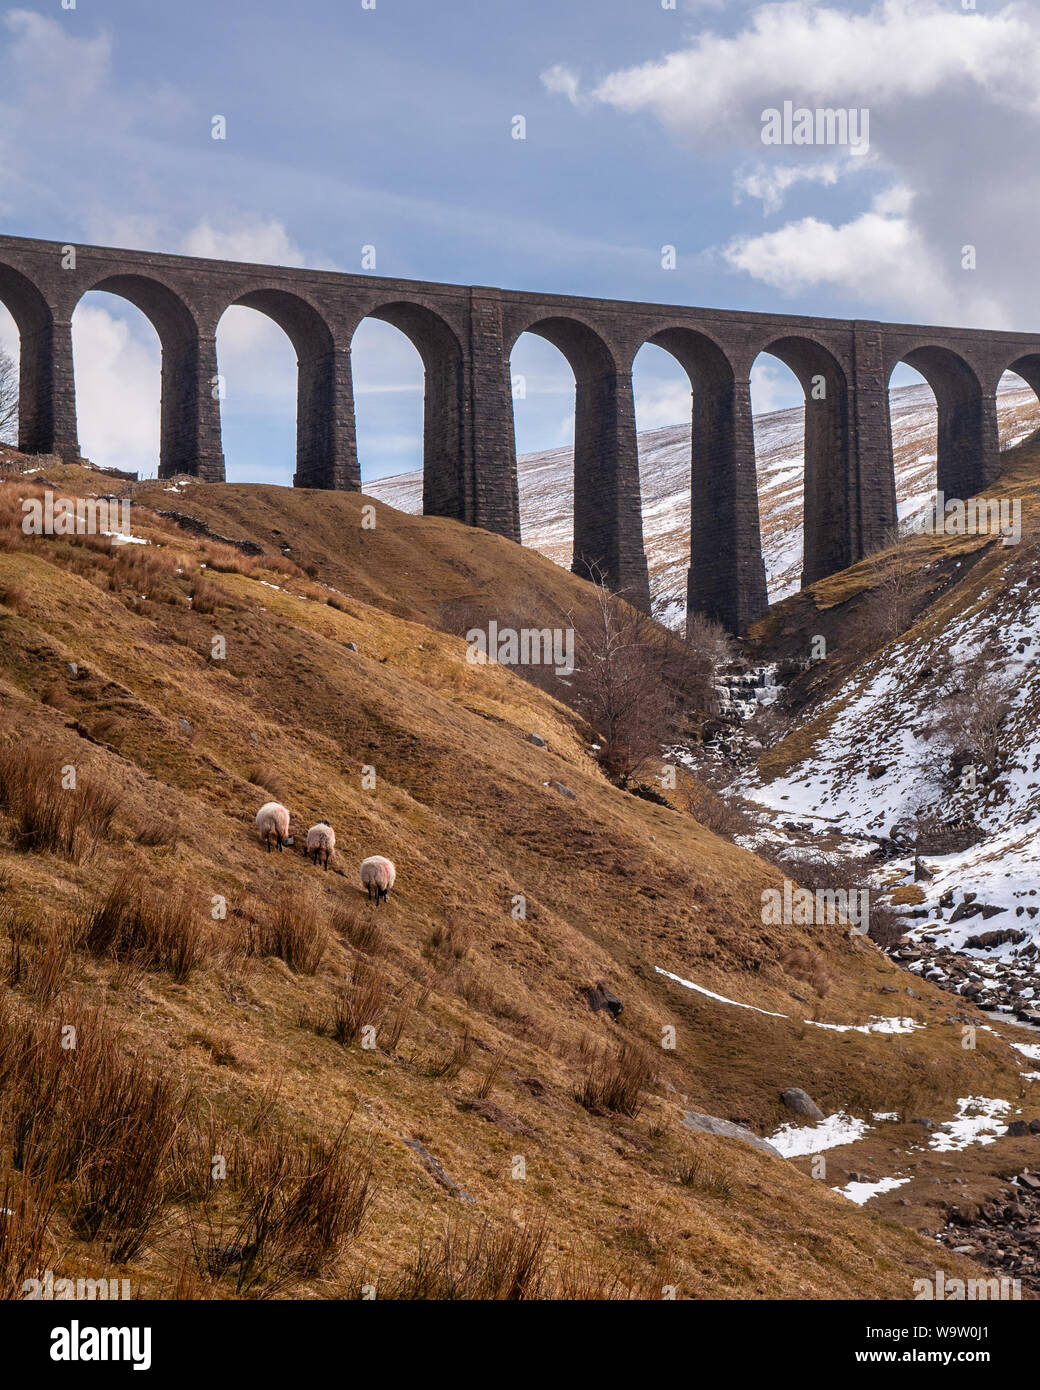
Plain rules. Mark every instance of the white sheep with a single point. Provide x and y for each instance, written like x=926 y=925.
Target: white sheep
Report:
x=321 y=840
x=377 y=873
x=273 y=819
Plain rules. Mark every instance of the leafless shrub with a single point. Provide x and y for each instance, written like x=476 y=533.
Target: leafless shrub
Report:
x=28 y=1209
x=888 y=609
x=298 y=1208
x=621 y=682
x=360 y=929
x=363 y=1005
x=697 y=1173
x=89 y=1114
x=974 y=714
x=719 y=814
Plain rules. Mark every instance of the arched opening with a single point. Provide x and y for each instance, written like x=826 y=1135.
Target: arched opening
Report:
x=1018 y=402
x=257 y=385
x=966 y=437
x=662 y=391
x=914 y=418
x=10 y=354
x=828 y=541
x=447 y=485
x=607 y=524
x=29 y=339
x=778 y=415
x=542 y=387
x=388 y=410
x=319 y=455
x=117 y=363
x=114 y=341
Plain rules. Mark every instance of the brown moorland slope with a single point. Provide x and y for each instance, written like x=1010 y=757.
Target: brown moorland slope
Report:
x=489 y=1102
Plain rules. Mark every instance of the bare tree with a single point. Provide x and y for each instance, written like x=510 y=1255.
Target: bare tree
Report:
x=973 y=715
x=8 y=398
x=622 y=681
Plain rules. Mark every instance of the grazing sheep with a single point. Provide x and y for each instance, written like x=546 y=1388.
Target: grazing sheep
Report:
x=377 y=873
x=273 y=819
x=321 y=840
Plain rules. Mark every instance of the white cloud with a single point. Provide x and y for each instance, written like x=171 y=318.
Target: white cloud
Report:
x=954 y=105
x=879 y=255
x=772 y=184
x=562 y=80
x=262 y=243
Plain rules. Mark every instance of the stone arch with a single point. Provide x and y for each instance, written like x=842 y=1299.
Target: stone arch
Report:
x=188 y=377
x=319 y=424
x=34 y=320
x=967 y=441
x=830 y=502
x=448 y=484
x=726 y=575
x=608 y=524
x=1028 y=368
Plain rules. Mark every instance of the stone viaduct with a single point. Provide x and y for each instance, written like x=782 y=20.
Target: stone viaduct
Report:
x=464 y=336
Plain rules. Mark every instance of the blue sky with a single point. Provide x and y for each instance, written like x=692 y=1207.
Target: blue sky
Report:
x=392 y=126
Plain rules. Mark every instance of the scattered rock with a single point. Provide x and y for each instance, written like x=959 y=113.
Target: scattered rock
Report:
x=350 y=646
x=563 y=790
x=537 y=740
x=184 y=725
x=802 y=1104
x=711 y=1124
x=600 y=997
x=1016 y=1129
x=434 y=1168
x=494 y=1114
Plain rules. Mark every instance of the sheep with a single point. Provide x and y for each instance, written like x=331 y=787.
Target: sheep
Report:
x=321 y=839
x=377 y=873
x=273 y=819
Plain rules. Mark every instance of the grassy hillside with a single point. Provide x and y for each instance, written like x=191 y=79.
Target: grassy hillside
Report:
x=546 y=1140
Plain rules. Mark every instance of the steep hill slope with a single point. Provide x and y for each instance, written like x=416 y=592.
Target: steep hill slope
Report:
x=198 y=681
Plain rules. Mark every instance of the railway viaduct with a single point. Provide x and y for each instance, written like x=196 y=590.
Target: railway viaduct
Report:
x=464 y=335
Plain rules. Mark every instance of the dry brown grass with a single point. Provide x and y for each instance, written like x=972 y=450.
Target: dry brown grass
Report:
x=160 y=929
x=616 y=1079
x=293 y=927
x=48 y=816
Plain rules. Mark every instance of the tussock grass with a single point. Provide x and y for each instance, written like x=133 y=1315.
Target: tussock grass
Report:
x=616 y=1079
x=293 y=928
x=76 y=1109
x=296 y=1210
x=48 y=817
x=159 y=929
